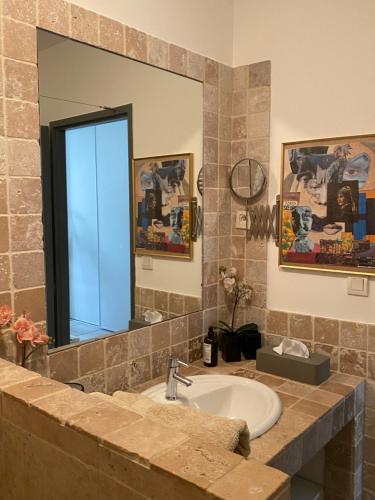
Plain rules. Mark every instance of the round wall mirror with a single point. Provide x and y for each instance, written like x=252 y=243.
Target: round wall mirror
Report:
x=247 y=179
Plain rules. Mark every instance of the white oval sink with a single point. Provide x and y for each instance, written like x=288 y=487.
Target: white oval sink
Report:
x=227 y=396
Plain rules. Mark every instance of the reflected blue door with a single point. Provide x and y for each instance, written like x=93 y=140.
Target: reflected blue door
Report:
x=98 y=224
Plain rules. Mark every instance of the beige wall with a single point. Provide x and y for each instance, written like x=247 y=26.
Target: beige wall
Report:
x=204 y=27
x=167 y=119
x=322 y=86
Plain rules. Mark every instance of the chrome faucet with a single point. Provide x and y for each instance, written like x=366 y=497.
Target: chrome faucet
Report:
x=173 y=377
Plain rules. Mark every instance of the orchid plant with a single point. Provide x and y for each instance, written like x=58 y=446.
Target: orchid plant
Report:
x=28 y=334
x=239 y=291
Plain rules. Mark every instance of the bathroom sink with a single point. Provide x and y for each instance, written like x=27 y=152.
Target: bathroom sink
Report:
x=227 y=396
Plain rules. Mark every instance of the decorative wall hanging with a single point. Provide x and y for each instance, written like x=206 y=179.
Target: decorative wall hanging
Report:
x=162 y=191
x=327 y=207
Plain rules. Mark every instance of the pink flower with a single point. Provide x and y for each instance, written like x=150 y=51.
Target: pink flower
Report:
x=6 y=314
x=23 y=328
x=229 y=284
x=39 y=337
x=232 y=272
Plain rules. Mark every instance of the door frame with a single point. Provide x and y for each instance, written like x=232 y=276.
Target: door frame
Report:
x=55 y=215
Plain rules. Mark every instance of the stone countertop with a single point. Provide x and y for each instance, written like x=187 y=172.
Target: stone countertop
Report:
x=312 y=415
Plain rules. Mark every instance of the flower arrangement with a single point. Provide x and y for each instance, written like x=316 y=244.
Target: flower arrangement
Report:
x=238 y=290
x=28 y=334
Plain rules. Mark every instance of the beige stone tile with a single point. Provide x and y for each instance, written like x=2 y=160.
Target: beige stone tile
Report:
x=136 y=44
x=32 y=390
x=20 y=11
x=117 y=378
x=177 y=59
x=311 y=408
x=211 y=72
x=300 y=326
x=195 y=66
x=191 y=461
x=256 y=273
x=286 y=399
x=139 y=343
x=331 y=351
x=195 y=325
x=353 y=362
x=143 y=438
x=225 y=102
x=371 y=366
x=147 y=297
x=192 y=304
x=176 y=303
x=25 y=196
x=116 y=349
x=4 y=272
x=238 y=151
x=159 y=360
x=91 y=357
x=326 y=331
x=161 y=300
x=239 y=128
x=19 y=41
x=28 y=269
x=259 y=149
x=2 y=117
x=179 y=330
x=94 y=382
x=225 y=129
x=195 y=349
x=140 y=370
x=160 y=336
x=85 y=25
x=14 y=375
x=26 y=232
x=21 y=81
x=258 y=99
x=296 y=389
x=21 y=119
x=23 y=157
x=102 y=419
x=369 y=478
x=157 y=52
x=54 y=16
x=271 y=381
x=111 y=35
x=250 y=479
x=4 y=235
x=3 y=159
x=325 y=397
x=241 y=77
x=260 y=74
x=277 y=322
x=210 y=98
x=336 y=387
x=64 y=365
x=353 y=335
x=210 y=124
x=180 y=351
x=8 y=343
x=350 y=380
x=32 y=302
x=225 y=77
x=239 y=102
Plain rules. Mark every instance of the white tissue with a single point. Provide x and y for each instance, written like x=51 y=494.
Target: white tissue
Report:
x=293 y=347
x=153 y=316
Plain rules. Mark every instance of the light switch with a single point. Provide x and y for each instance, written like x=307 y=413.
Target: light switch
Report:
x=241 y=219
x=358 y=286
x=147 y=263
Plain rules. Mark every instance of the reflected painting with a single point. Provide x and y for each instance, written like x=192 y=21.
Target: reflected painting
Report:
x=328 y=205
x=162 y=206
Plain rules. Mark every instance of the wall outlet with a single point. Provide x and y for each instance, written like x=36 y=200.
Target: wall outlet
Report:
x=358 y=285
x=241 y=219
x=147 y=263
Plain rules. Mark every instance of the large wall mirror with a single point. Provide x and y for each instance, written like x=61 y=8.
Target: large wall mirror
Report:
x=121 y=152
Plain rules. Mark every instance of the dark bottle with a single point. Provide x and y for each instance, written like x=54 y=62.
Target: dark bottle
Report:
x=210 y=348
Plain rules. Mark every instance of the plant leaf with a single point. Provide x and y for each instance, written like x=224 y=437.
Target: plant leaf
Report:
x=250 y=327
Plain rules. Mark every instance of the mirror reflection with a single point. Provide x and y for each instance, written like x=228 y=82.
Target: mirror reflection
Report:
x=122 y=149
x=247 y=180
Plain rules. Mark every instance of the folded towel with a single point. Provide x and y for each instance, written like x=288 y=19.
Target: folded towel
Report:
x=230 y=433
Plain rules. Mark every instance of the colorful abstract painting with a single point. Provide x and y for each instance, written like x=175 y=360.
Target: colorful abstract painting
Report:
x=328 y=205
x=162 y=206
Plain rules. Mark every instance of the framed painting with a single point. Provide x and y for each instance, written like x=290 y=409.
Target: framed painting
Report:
x=162 y=193
x=327 y=205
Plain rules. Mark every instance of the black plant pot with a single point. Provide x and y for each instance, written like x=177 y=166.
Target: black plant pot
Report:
x=251 y=341
x=231 y=347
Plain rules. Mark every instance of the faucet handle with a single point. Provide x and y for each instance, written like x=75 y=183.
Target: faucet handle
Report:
x=182 y=363
x=174 y=362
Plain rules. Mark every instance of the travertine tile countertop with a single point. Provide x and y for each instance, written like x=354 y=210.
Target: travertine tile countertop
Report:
x=311 y=417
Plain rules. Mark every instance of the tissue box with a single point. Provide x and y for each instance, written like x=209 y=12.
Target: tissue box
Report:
x=313 y=370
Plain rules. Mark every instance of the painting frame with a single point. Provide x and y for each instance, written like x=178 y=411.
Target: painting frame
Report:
x=334 y=254
x=173 y=251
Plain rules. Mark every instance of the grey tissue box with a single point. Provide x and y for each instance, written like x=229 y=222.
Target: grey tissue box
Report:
x=313 y=370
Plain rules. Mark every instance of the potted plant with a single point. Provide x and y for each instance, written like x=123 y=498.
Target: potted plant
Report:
x=246 y=338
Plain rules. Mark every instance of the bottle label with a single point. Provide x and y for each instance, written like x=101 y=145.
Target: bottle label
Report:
x=207 y=348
